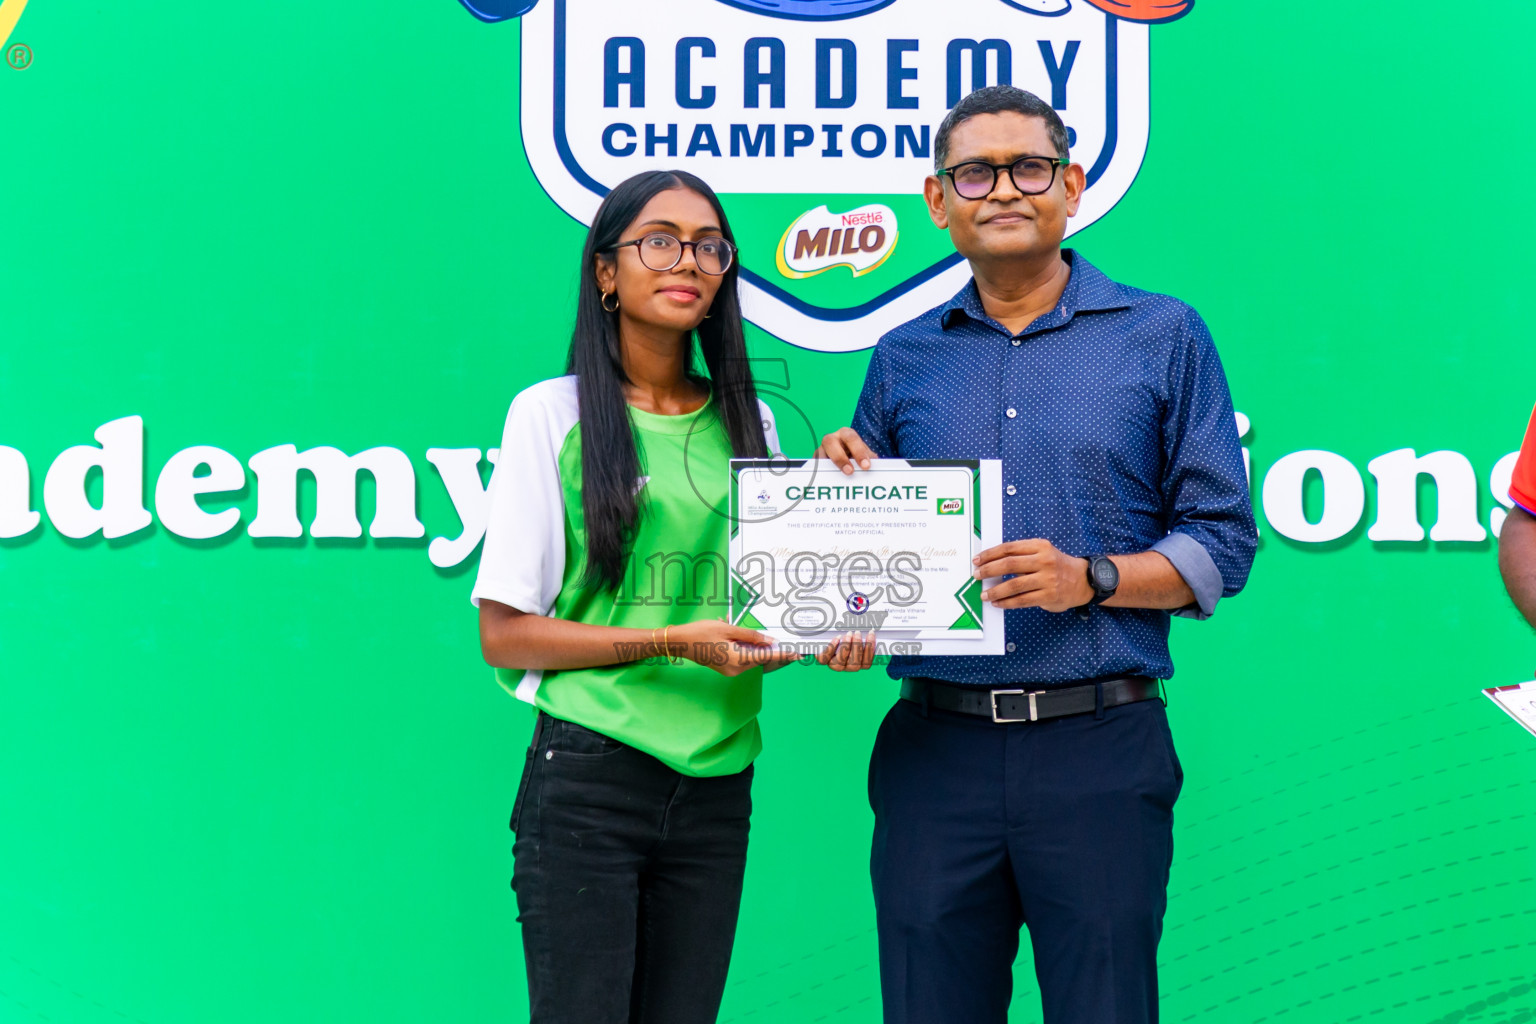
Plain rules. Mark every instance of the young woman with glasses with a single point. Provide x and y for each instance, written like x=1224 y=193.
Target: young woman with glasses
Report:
x=600 y=583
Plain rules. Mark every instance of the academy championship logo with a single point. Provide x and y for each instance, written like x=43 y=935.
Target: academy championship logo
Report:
x=814 y=119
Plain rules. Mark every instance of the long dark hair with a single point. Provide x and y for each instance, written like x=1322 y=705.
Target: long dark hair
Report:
x=610 y=461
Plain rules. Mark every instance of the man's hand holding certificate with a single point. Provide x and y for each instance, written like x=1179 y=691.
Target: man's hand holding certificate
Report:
x=816 y=553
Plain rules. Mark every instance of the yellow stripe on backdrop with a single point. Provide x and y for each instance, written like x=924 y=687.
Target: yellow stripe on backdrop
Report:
x=10 y=12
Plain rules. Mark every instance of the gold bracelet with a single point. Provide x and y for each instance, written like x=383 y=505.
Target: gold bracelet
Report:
x=666 y=643
x=654 y=649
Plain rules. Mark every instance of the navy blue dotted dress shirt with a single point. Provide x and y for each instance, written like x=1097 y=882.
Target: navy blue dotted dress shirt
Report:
x=1113 y=420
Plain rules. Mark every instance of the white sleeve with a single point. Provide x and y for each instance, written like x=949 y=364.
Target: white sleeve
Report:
x=770 y=429
x=523 y=561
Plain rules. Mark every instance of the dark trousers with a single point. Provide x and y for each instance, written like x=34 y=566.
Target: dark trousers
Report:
x=628 y=880
x=1063 y=825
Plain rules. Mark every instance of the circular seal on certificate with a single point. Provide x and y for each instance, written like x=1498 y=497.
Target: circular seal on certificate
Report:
x=858 y=603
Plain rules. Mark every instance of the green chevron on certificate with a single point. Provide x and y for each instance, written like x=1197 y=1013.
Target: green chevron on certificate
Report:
x=815 y=552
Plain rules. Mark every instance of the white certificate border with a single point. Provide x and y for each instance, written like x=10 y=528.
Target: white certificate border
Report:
x=991 y=640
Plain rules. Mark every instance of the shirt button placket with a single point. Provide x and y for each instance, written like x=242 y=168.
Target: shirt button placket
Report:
x=1011 y=490
x=1009 y=443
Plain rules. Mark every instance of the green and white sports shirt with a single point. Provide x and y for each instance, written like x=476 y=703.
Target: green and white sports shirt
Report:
x=686 y=715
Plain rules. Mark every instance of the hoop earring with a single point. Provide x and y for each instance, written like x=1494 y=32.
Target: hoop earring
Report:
x=604 y=301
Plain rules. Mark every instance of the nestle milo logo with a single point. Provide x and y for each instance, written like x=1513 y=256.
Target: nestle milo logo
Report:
x=951 y=506
x=861 y=239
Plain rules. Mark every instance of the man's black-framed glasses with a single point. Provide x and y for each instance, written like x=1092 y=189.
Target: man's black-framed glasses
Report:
x=1032 y=175
x=661 y=251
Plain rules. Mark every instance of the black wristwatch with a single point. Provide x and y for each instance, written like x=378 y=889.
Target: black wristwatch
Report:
x=1104 y=578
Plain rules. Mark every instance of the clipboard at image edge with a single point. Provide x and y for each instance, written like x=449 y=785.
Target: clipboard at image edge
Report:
x=1495 y=694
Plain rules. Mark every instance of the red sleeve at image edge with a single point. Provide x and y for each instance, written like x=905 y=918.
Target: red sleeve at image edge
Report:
x=1522 y=486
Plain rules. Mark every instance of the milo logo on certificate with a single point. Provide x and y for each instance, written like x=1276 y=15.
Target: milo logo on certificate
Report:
x=815 y=120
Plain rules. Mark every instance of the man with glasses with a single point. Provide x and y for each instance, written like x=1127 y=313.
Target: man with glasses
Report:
x=1037 y=787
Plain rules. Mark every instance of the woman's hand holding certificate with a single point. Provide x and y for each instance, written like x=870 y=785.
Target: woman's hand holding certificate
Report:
x=731 y=650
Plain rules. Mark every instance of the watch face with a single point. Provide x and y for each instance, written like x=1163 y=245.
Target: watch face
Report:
x=1105 y=575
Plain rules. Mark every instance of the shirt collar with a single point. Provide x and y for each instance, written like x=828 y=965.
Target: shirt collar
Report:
x=1088 y=291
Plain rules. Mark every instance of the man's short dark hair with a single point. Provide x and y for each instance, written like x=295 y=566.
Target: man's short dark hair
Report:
x=999 y=99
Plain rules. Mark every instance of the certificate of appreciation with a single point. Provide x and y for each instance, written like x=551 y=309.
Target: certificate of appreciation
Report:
x=815 y=553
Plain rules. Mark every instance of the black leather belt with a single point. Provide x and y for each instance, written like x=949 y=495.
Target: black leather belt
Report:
x=1021 y=705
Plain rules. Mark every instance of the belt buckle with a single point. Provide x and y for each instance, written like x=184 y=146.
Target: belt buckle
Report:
x=1034 y=714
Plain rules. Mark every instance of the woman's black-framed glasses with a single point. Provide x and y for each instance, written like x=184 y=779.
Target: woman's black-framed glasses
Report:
x=1032 y=175
x=661 y=251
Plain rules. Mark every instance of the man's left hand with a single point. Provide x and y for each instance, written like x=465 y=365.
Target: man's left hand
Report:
x=1043 y=577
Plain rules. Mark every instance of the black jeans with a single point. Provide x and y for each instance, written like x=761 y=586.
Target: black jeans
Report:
x=628 y=881
x=1063 y=825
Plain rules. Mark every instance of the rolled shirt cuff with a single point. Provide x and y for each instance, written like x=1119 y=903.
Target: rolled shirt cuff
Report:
x=1194 y=563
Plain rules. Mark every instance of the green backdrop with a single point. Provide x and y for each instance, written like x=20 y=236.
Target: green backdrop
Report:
x=268 y=780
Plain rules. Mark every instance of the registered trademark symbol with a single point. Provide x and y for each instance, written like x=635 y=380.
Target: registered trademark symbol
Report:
x=19 y=56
